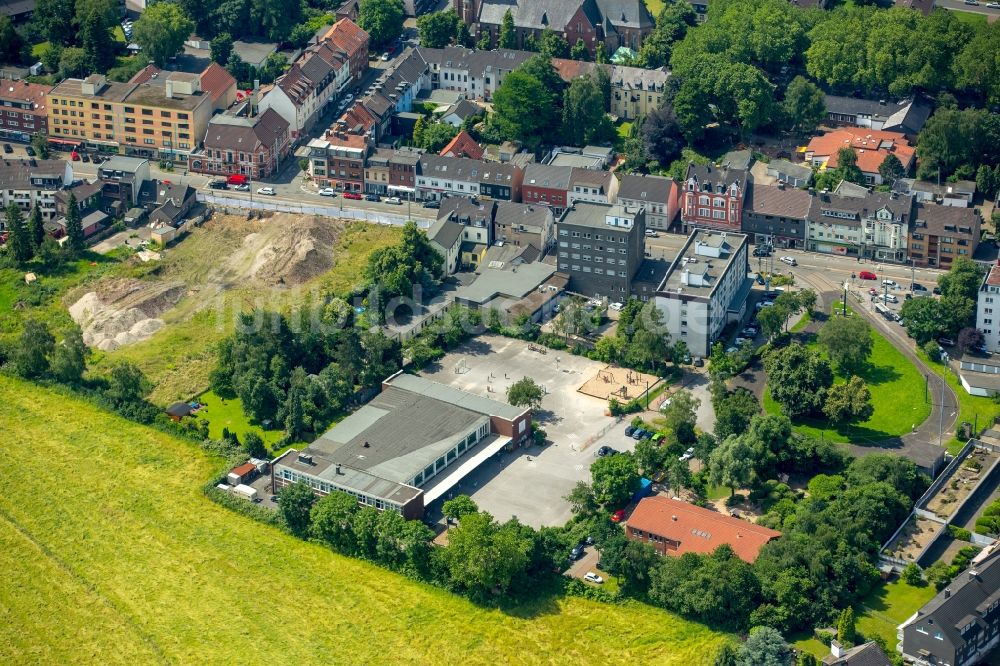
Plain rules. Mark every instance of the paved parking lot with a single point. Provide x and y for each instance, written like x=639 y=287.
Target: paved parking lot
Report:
x=531 y=483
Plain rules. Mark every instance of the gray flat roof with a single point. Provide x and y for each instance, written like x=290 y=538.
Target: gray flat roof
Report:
x=514 y=281
x=704 y=259
x=584 y=214
x=456 y=396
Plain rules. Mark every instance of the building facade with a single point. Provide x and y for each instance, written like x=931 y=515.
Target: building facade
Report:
x=874 y=226
x=601 y=248
x=712 y=198
x=777 y=215
x=940 y=234
x=524 y=224
x=337 y=160
x=350 y=38
x=22 y=109
x=235 y=143
x=988 y=310
x=705 y=288
x=123 y=178
x=309 y=87
x=592 y=185
x=547 y=185
x=30 y=183
x=658 y=195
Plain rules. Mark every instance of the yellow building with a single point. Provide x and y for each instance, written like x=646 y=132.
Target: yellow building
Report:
x=163 y=117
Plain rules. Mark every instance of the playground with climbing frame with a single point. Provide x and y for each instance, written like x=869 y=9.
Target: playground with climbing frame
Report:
x=620 y=383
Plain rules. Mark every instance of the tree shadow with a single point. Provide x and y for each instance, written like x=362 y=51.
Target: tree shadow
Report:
x=875 y=375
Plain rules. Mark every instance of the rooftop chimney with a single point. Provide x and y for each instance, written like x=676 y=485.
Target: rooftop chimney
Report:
x=338 y=468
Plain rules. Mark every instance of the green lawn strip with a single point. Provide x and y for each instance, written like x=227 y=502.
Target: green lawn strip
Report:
x=107 y=539
x=897 y=389
x=622 y=132
x=801 y=323
x=222 y=413
x=977 y=410
x=971 y=18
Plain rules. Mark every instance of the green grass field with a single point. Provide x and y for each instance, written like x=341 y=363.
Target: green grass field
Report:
x=881 y=612
x=971 y=18
x=220 y=413
x=897 y=389
x=111 y=554
x=977 y=410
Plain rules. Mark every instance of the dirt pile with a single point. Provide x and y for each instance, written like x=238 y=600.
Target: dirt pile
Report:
x=287 y=250
x=124 y=311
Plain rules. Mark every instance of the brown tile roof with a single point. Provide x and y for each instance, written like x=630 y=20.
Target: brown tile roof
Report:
x=871 y=147
x=699 y=530
x=572 y=69
x=215 y=80
x=145 y=74
x=993 y=279
x=463 y=145
x=226 y=132
x=347 y=36
x=778 y=201
x=935 y=217
x=21 y=91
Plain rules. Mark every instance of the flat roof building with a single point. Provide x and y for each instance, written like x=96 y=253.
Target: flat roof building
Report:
x=601 y=248
x=705 y=288
x=407 y=447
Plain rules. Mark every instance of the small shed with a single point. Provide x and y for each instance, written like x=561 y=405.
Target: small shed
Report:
x=30 y=278
x=178 y=410
x=241 y=474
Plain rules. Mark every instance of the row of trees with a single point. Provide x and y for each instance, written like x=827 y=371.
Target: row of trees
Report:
x=27 y=240
x=800 y=379
x=927 y=319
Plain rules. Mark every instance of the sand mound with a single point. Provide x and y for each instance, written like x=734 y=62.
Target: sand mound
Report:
x=123 y=312
x=288 y=249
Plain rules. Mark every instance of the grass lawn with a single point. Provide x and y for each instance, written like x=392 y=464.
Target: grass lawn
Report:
x=622 y=130
x=975 y=409
x=801 y=324
x=112 y=555
x=971 y=18
x=221 y=413
x=39 y=49
x=897 y=388
x=655 y=7
x=881 y=612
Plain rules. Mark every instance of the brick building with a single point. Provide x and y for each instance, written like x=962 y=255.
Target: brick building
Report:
x=712 y=197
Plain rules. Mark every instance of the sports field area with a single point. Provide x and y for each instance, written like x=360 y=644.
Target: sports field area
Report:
x=111 y=554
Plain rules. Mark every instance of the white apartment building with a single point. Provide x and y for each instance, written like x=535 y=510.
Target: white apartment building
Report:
x=988 y=310
x=30 y=183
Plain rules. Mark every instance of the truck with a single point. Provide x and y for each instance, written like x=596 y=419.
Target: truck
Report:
x=246 y=492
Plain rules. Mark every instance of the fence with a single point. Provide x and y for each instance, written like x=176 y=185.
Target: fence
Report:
x=278 y=206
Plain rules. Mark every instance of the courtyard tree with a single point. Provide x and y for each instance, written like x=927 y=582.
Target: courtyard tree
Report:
x=798 y=378
x=381 y=19
x=74 y=227
x=733 y=411
x=459 y=506
x=891 y=169
x=437 y=29
x=581 y=499
x=650 y=457
x=730 y=464
x=678 y=475
x=680 y=414
x=850 y=401
x=524 y=108
x=507 y=38
x=846 y=631
x=805 y=104
x=614 y=479
x=295 y=502
x=848 y=341
x=161 y=31
x=525 y=392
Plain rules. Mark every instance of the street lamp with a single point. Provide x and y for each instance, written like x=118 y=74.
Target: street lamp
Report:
x=846 y=285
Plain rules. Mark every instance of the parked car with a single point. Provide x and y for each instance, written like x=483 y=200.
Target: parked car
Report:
x=629 y=430
x=327 y=192
x=638 y=434
x=916 y=286
x=740 y=340
x=889 y=298
x=432 y=204
x=393 y=200
x=698 y=362
x=652 y=234
x=760 y=280
x=576 y=553
x=617 y=307
x=354 y=196
x=7 y=148
x=618 y=516
x=732 y=350
x=218 y=185
x=605 y=451
x=268 y=191
x=867 y=275
x=372 y=197
x=591 y=577
x=83 y=156
x=873 y=291
x=975 y=3
x=936 y=291
x=946 y=342
x=748 y=333
x=789 y=260
x=30 y=151
x=242 y=188
x=385 y=57
x=889 y=283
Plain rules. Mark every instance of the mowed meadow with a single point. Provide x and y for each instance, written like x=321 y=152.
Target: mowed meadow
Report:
x=111 y=554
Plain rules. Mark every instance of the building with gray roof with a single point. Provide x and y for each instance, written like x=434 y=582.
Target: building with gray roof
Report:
x=601 y=248
x=907 y=116
x=399 y=451
x=705 y=288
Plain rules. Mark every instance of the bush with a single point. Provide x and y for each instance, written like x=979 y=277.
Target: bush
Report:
x=959 y=533
x=933 y=350
x=735 y=500
x=577 y=588
x=825 y=637
x=912 y=575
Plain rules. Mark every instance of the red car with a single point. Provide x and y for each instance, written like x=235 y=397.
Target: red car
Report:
x=867 y=275
x=352 y=195
x=618 y=516
x=873 y=291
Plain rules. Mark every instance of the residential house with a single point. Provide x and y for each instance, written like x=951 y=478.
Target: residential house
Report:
x=475 y=73
x=588 y=157
x=705 y=288
x=777 y=215
x=941 y=234
x=713 y=198
x=22 y=109
x=601 y=248
x=87 y=194
x=463 y=145
x=960 y=193
x=871 y=147
x=403 y=167
x=547 y=185
x=456 y=114
x=91 y=222
x=350 y=38
x=476 y=219
x=122 y=179
x=874 y=226
x=636 y=92
x=866 y=654
x=445 y=236
x=439 y=177
x=338 y=160
x=522 y=224
x=238 y=143
x=30 y=183
x=960 y=626
x=170 y=202
x=501 y=182
x=658 y=195
x=593 y=186
x=400 y=85
x=988 y=310
x=220 y=84
x=17 y=10
x=796 y=175
x=377 y=171
x=907 y=116
x=254 y=54
x=313 y=82
x=673 y=527
x=162 y=118
x=349 y=10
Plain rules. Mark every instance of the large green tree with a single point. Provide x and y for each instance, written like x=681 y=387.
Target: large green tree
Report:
x=733 y=411
x=730 y=464
x=525 y=392
x=797 y=378
x=805 y=104
x=764 y=647
x=583 y=118
x=381 y=19
x=331 y=518
x=36 y=228
x=295 y=503
x=74 y=227
x=614 y=479
x=483 y=556
x=161 y=31
x=507 y=38
x=69 y=358
x=925 y=319
x=850 y=401
x=523 y=108
x=19 y=241
x=848 y=341
x=30 y=357
x=95 y=19
x=437 y=29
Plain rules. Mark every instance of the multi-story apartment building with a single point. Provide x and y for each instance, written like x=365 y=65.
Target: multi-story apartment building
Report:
x=593 y=185
x=988 y=309
x=501 y=182
x=161 y=118
x=313 y=82
x=601 y=248
x=475 y=73
x=353 y=41
x=547 y=185
x=875 y=225
x=658 y=195
x=403 y=165
x=777 y=215
x=713 y=198
x=705 y=288
x=635 y=92
x=122 y=179
x=30 y=183
x=237 y=143
x=338 y=160
x=22 y=109
x=961 y=625
x=439 y=177
x=377 y=171
x=524 y=224
x=940 y=234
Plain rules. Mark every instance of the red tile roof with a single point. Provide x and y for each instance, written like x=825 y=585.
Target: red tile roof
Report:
x=463 y=145
x=244 y=469
x=871 y=147
x=215 y=80
x=993 y=279
x=145 y=74
x=20 y=91
x=699 y=530
x=346 y=35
